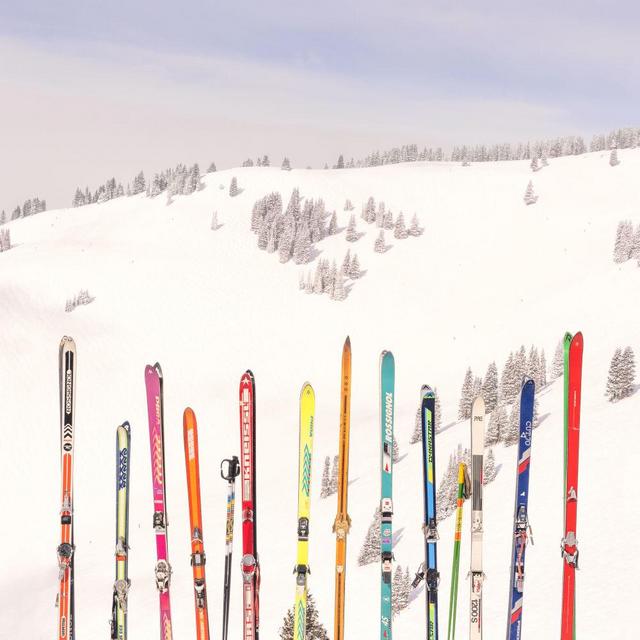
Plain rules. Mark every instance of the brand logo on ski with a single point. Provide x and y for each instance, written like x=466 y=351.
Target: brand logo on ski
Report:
x=388 y=417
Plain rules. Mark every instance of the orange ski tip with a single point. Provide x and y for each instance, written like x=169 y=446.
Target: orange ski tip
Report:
x=347 y=342
x=189 y=416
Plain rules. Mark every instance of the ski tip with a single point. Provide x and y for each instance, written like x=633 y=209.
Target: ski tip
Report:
x=188 y=416
x=307 y=390
x=477 y=407
x=426 y=391
x=347 y=343
x=153 y=370
x=577 y=340
x=567 y=337
x=126 y=426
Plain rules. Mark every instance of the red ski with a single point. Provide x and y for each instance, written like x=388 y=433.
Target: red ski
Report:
x=569 y=544
x=250 y=566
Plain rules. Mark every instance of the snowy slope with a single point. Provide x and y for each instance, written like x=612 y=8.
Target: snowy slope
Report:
x=487 y=275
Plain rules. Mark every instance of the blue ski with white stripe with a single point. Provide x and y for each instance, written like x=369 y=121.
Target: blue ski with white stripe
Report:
x=521 y=528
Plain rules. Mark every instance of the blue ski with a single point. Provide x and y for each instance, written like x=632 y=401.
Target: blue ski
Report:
x=387 y=383
x=521 y=528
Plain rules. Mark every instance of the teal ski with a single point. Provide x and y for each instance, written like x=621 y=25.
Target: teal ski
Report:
x=387 y=384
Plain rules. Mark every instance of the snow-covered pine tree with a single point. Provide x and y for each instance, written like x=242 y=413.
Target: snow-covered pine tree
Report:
x=543 y=370
x=352 y=234
x=400 y=232
x=512 y=432
x=314 y=629
x=379 y=246
x=78 y=199
x=370 y=550
x=416 y=436
x=5 y=240
x=490 y=387
x=370 y=211
x=498 y=421
x=348 y=205
x=324 y=484
x=346 y=263
x=400 y=590
x=415 y=229
x=354 y=268
x=557 y=364
x=613 y=379
x=380 y=213
x=623 y=247
x=534 y=164
x=302 y=246
x=340 y=163
x=233 y=187
x=3 y=216
x=613 y=157
x=333 y=224
x=139 y=184
x=447 y=491
x=628 y=372
x=533 y=366
x=466 y=396
x=635 y=243
x=388 y=221
x=338 y=292
x=212 y=168
x=490 y=470
x=529 y=195
x=286 y=164
x=285 y=246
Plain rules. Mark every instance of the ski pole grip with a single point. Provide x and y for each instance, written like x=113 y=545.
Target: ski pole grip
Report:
x=230 y=468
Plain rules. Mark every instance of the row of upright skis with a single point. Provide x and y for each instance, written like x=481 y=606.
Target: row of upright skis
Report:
x=470 y=484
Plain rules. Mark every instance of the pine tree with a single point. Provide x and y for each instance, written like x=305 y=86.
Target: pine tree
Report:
x=557 y=364
x=379 y=246
x=346 y=263
x=3 y=217
x=139 y=184
x=212 y=168
x=324 y=484
x=512 y=432
x=286 y=164
x=388 y=221
x=340 y=164
x=302 y=246
x=415 y=229
x=380 y=215
x=447 y=492
x=623 y=247
x=333 y=224
x=534 y=164
x=400 y=232
x=498 y=421
x=543 y=370
x=416 y=436
x=285 y=246
x=214 y=221
x=489 y=471
x=314 y=629
x=348 y=205
x=369 y=211
x=370 y=550
x=628 y=372
x=529 y=195
x=339 y=292
x=233 y=187
x=466 y=396
x=613 y=158
x=354 y=268
x=400 y=590
x=490 y=388
x=533 y=366
x=352 y=234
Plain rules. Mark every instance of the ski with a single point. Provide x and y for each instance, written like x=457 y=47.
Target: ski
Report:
x=229 y=470
x=198 y=557
x=65 y=600
x=429 y=526
x=155 y=410
x=569 y=544
x=342 y=523
x=463 y=482
x=122 y=582
x=387 y=399
x=307 y=413
x=250 y=564
x=477 y=575
x=521 y=527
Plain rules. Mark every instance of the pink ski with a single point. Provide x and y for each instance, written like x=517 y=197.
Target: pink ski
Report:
x=153 y=381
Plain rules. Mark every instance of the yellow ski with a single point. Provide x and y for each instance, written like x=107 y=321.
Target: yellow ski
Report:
x=342 y=522
x=307 y=411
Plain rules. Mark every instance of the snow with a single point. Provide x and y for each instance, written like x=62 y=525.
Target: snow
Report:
x=488 y=274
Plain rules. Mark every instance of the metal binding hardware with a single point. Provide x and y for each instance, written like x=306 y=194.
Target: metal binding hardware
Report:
x=120 y=593
x=303 y=528
x=247 y=515
x=430 y=531
x=433 y=579
x=570 y=541
x=121 y=547
x=163 y=575
x=159 y=522
x=248 y=566
x=199 y=588
x=386 y=507
x=198 y=559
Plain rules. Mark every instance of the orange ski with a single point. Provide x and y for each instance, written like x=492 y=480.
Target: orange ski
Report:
x=198 y=558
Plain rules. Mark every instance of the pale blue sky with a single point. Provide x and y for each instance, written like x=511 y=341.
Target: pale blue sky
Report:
x=92 y=88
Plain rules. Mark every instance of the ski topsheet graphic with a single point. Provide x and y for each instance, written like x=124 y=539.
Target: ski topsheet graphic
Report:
x=250 y=564
x=155 y=410
x=387 y=401
x=66 y=549
x=342 y=523
x=122 y=582
x=307 y=412
x=521 y=528
x=569 y=544
x=477 y=574
x=198 y=557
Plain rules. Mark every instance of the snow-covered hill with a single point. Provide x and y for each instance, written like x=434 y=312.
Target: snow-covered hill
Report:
x=487 y=275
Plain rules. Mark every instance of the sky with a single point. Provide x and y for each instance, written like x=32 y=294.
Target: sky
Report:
x=92 y=89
